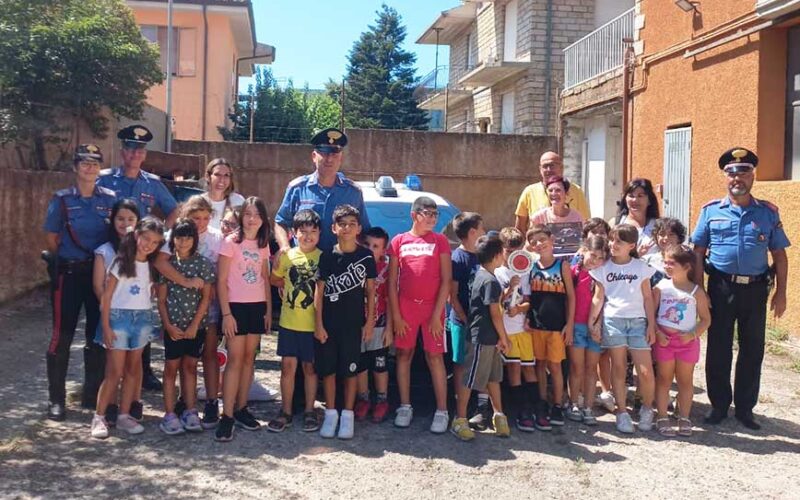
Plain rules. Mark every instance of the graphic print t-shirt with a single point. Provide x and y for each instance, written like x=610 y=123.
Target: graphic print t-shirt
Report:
x=548 y=297
x=345 y=276
x=420 y=269
x=299 y=273
x=465 y=265
x=623 y=287
x=513 y=324
x=245 y=281
x=485 y=292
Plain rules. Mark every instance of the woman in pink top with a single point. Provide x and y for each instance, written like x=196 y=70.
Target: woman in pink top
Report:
x=559 y=210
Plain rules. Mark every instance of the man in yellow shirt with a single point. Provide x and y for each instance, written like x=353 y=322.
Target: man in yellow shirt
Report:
x=534 y=197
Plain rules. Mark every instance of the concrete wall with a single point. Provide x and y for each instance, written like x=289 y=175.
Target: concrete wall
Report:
x=484 y=173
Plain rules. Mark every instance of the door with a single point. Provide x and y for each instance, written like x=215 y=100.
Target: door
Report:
x=507 y=114
x=510 y=32
x=677 y=173
x=792 y=153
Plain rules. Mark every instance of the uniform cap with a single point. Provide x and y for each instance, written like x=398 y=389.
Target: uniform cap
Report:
x=88 y=152
x=135 y=136
x=329 y=140
x=738 y=160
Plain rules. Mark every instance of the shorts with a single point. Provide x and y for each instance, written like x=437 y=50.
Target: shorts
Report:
x=294 y=344
x=625 y=332
x=417 y=315
x=484 y=366
x=374 y=361
x=340 y=354
x=459 y=338
x=582 y=339
x=376 y=342
x=549 y=346
x=176 y=349
x=133 y=329
x=675 y=351
x=249 y=317
x=520 y=349
x=214 y=315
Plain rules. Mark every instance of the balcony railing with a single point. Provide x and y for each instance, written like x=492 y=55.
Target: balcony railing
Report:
x=433 y=82
x=598 y=52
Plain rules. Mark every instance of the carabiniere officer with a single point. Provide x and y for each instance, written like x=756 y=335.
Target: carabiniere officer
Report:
x=733 y=237
x=76 y=223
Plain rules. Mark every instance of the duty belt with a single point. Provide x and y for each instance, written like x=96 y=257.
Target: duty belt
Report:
x=74 y=265
x=739 y=279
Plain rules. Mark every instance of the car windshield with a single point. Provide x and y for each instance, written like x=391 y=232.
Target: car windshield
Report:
x=395 y=217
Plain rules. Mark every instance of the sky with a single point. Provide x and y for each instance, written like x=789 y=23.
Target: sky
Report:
x=313 y=37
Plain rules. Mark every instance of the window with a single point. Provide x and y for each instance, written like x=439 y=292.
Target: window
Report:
x=507 y=113
x=183 y=48
x=470 y=52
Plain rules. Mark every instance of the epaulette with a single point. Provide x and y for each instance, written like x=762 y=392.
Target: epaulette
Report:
x=106 y=171
x=712 y=202
x=769 y=205
x=149 y=175
x=64 y=192
x=352 y=183
x=106 y=191
x=297 y=180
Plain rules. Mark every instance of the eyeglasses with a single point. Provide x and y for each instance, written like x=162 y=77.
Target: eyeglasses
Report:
x=431 y=214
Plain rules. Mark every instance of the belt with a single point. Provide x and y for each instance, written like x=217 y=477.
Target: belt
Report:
x=75 y=265
x=739 y=279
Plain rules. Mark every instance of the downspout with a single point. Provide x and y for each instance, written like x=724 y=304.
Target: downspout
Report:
x=205 y=72
x=548 y=68
x=626 y=95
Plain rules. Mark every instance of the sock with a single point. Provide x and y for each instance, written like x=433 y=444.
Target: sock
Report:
x=483 y=399
x=364 y=396
x=405 y=406
x=381 y=397
x=499 y=414
x=518 y=398
x=441 y=412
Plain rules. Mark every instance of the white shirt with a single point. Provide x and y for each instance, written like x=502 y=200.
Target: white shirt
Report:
x=236 y=200
x=646 y=236
x=132 y=293
x=208 y=246
x=515 y=324
x=623 y=287
x=677 y=309
x=106 y=251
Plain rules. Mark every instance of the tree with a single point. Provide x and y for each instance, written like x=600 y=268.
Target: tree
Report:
x=63 y=62
x=380 y=78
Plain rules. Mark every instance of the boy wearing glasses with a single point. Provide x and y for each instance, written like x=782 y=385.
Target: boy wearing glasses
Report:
x=420 y=274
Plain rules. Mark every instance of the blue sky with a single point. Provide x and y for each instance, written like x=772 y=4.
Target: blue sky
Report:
x=313 y=37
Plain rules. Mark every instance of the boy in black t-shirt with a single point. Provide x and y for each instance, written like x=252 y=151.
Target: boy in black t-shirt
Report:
x=483 y=363
x=345 y=281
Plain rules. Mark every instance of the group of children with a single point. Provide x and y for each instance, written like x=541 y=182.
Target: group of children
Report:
x=343 y=310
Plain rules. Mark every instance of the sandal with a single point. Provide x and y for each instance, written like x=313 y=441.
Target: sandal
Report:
x=664 y=427
x=280 y=423
x=684 y=427
x=310 y=421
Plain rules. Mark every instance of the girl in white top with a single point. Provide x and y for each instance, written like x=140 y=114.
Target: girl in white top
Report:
x=623 y=296
x=224 y=201
x=127 y=322
x=683 y=315
x=639 y=208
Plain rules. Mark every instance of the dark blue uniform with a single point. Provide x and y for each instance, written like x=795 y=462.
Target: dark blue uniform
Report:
x=82 y=225
x=738 y=240
x=146 y=190
x=306 y=192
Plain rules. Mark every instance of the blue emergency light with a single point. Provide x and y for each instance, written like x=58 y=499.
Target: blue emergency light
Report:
x=413 y=182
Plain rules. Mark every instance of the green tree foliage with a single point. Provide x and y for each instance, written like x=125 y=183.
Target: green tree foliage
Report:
x=63 y=62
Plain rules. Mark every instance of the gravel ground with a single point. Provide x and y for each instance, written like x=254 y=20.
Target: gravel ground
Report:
x=39 y=458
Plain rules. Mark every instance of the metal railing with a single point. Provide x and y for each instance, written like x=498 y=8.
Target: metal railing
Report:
x=434 y=81
x=598 y=52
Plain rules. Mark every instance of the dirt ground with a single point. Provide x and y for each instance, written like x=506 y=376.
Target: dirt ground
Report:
x=39 y=458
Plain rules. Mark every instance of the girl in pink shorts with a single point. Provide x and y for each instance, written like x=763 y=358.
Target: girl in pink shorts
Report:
x=682 y=316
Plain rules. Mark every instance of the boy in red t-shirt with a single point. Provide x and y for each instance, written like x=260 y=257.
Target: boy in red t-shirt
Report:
x=420 y=273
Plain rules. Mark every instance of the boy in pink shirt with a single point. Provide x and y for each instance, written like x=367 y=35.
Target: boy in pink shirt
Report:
x=420 y=273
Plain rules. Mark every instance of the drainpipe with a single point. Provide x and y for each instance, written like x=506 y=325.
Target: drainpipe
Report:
x=627 y=66
x=548 y=68
x=205 y=72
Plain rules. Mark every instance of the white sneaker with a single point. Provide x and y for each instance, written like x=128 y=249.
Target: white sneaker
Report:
x=440 y=422
x=606 y=400
x=624 y=423
x=347 y=424
x=129 y=425
x=328 y=429
x=645 y=418
x=99 y=427
x=574 y=413
x=404 y=415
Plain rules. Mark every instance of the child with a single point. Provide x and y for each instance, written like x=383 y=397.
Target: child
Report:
x=420 y=275
x=519 y=359
x=584 y=353
x=680 y=302
x=622 y=293
x=346 y=277
x=246 y=305
x=183 y=318
x=374 y=353
x=667 y=232
x=127 y=322
x=550 y=318
x=296 y=273
x=488 y=341
x=468 y=227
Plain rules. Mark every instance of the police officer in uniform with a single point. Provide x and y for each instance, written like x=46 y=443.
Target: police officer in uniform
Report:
x=76 y=223
x=322 y=191
x=147 y=190
x=733 y=237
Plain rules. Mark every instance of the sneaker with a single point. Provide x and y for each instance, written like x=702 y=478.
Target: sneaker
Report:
x=380 y=411
x=224 y=431
x=482 y=418
x=542 y=423
x=574 y=413
x=347 y=424
x=587 y=415
x=440 y=421
x=500 y=422
x=180 y=407
x=137 y=411
x=171 y=425
x=310 y=421
x=56 y=411
x=99 y=427
x=606 y=400
x=112 y=412
x=461 y=429
x=191 y=421
x=361 y=409
x=210 y=414
x=646 y=415
x=129 y=425
x=403 y=416
x=328 y=429
x=624 y=423
x=556 y=415
x=526 y=422
x=246 y=420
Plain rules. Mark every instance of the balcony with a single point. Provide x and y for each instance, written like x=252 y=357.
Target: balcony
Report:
x=771 y=9
x=599 y=52
x=448 y=27
x=491 y=72
x=435 y=91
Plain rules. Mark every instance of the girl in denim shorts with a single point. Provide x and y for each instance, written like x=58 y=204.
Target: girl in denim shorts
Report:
x=127 y=321
x=622 y=294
